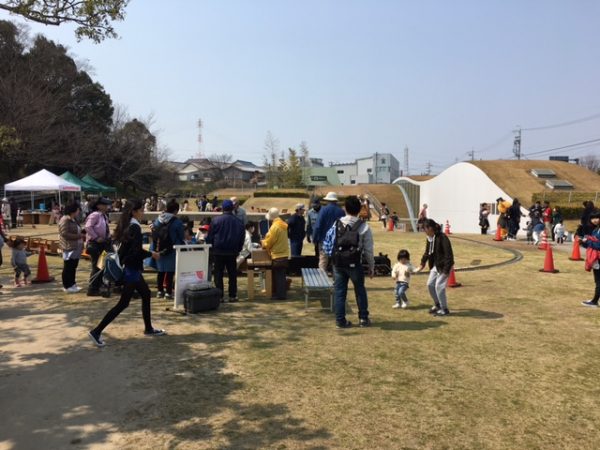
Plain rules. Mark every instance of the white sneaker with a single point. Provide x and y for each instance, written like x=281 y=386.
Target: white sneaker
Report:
x=404 y=305
x=396 y=305
x=73 y=289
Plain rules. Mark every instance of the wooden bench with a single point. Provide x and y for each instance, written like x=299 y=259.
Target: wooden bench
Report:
x=316 y=280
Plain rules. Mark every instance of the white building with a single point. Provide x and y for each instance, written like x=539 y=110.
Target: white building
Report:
x=374 y=169
x=456 y=194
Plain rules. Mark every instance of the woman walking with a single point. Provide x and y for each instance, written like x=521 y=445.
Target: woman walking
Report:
x=591 y=242
x=71 y=244
x=438 y=255
x=131 y=253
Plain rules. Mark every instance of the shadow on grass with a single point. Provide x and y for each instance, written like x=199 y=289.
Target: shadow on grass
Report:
x=408 y=325
x=177 y=388
x=476 y=314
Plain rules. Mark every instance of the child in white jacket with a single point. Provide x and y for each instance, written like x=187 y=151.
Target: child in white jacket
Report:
x=401 y=274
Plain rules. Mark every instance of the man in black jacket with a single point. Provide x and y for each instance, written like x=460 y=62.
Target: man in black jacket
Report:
x=440 y=259
x=297 y=230
x=226 y=235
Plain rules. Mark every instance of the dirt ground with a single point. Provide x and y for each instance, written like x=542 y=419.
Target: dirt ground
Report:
x=264 y=375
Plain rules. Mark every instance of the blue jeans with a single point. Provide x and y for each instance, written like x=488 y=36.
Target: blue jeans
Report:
x=296 y=247
x=401 y=288
x=341 y=276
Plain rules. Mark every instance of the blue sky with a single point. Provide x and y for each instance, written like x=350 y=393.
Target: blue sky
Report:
x=355 y=77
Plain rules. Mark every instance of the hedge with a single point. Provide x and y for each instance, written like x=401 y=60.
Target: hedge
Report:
x=283 y=194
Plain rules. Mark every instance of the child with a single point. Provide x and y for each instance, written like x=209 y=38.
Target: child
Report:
x=529 y=230
x=559 y=232
x=188 y=236
x=538 y=229
x=401 y=273
x=248 y=245
x=19 y=262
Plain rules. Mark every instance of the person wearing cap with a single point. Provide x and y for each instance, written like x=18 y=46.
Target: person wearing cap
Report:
x=97 y=239
x=297 y=230
x=226 y=235
x=591 y=242
x=238 y=211
x=327 y=217
x=277 y=244
x=313 y=215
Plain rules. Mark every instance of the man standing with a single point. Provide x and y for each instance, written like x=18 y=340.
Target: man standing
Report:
x=14 y=212
x=97 y=239
x=296 y=230
x=347 y=241
x=226 y=235
x=313 y=215
x=238 y=211
x=327 y=216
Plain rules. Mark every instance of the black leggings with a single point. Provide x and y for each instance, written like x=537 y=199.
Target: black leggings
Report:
x=68 y=272
x=164 y=282
x=597 y=281
x=126 y=295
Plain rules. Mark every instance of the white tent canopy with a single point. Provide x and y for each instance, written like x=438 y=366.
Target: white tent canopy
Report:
x=42 y=181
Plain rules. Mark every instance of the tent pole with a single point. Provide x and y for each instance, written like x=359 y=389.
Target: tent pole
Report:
x=32 y=208
x=59 y=202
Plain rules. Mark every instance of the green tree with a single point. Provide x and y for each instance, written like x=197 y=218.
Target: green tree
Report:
x=293 y=174
x=93 y=18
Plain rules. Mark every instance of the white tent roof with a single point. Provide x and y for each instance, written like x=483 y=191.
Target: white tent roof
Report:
x=42 y=181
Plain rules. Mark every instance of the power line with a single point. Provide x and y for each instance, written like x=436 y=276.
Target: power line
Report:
x=563 y=147
x=564 y=124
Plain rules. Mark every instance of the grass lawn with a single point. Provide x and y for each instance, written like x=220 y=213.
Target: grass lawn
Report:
x=515 y=366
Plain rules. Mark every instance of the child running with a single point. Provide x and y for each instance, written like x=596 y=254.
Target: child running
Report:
x=401 y=274
x=19 y=262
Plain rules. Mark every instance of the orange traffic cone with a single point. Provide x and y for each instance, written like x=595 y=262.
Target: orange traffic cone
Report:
x=544 y=244
x=42 y=272
x=498 y=236
x=576 y=255
x=447 y=228
x=390 y=225
x=549 y=261
x=452 y=280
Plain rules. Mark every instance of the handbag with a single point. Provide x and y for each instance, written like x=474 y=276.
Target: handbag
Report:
x=592 y=256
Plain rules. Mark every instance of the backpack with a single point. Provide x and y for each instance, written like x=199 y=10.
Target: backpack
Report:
x=162 y=238
x=346 y=249
x=113 y=270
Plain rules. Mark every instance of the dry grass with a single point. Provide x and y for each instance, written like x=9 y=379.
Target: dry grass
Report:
x=515 y=366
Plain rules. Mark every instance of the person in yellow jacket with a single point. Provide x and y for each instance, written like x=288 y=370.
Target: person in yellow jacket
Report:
x=503 y=206
x=277 y=244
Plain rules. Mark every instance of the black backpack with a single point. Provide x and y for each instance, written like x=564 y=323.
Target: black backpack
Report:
x=346 y=250
x=162 y=238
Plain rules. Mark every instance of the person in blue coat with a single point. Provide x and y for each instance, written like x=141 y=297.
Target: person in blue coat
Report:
x=165 y=265
x=327 y=217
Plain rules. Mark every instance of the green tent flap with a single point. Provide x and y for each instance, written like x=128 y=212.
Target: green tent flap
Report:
x=85 y=186
x=102 y=187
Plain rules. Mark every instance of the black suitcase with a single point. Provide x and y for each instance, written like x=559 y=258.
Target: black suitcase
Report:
x=198 y=299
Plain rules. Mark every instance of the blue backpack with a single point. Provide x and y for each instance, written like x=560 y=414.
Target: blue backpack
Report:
x=113 y=270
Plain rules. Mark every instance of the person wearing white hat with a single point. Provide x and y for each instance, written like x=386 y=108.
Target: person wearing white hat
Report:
x=327 y=217
x=297 y=230
x=277 y=244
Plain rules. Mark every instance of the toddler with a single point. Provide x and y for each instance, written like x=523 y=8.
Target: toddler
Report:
x=529 y=230
x=559 y=233
x=401 y=273
x=19 y=262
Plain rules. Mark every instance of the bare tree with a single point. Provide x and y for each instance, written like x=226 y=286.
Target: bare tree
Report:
x=591 y=162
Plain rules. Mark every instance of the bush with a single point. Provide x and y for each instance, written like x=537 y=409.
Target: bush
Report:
x=282 y=194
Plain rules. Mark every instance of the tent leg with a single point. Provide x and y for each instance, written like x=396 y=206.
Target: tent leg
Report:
x=32 y=208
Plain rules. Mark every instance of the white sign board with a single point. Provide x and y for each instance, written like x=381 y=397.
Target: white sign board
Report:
x=191 y=266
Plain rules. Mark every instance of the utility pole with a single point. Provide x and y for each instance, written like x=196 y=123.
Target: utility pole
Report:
x=200 y=154
x=406 y=161
x=472 y=154
x=517 y=142
x=428 y=168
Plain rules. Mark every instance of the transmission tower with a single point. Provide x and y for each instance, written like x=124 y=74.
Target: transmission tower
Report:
x=406 y=161
x=428 y=166
x=517 y=142
x=200 y=125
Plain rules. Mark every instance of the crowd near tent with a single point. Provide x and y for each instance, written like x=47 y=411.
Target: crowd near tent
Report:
x=42 y=181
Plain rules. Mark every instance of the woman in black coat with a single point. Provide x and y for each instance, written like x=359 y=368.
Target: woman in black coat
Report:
x=131 y=254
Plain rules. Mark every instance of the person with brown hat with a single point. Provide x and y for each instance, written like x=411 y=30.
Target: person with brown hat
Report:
x=276 y=243
x=97 y=239
x=297 y=230
x=327 y=217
